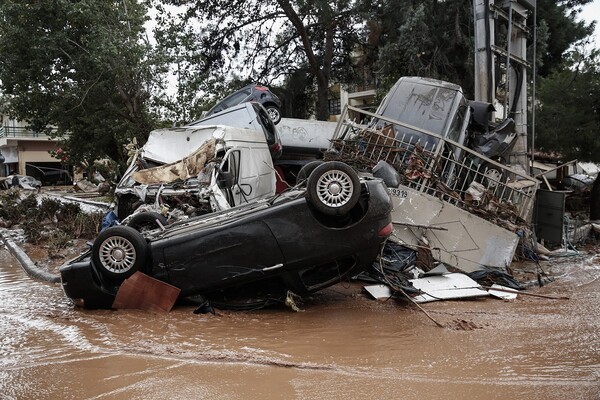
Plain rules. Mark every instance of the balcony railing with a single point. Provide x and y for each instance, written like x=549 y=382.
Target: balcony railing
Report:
x=20 y=132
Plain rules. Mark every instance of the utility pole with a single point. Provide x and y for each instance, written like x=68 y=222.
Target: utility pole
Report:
x=501 y=66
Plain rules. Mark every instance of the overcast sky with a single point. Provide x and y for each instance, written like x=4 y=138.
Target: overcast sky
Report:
x=590 y=13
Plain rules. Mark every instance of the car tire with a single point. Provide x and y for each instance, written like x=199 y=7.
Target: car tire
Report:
x=333 y=188
x=274 y=114
x=491 y=175
x=307 y=169
x=118 y=252
x=148 y=220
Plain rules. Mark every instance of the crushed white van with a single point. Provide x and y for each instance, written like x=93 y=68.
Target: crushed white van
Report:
x=195 y=170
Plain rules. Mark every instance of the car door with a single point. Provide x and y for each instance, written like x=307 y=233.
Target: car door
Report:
x=233 y=253
x=248 y=172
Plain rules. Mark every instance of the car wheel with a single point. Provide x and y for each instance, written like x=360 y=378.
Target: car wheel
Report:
x=333 y=188
x=491 y=175
x=307 y=169
x=146 y=221
x=119 y=251
x=274 y=114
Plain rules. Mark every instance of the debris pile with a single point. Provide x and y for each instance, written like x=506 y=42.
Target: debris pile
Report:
x=419 y=166
x=403 y=272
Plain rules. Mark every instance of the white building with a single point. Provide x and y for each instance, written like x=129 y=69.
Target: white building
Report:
x=28 y=153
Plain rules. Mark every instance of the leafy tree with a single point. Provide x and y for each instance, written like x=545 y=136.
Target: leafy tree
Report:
x=267 y=39
x=568 y=118
x=434 y=38
x=424 y=38
x=81 y=66
x=560 y=30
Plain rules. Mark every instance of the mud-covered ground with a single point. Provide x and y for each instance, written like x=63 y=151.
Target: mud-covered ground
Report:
x=342 y=346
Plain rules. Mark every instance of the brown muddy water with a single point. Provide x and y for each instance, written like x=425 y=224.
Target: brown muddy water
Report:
x=342 y=346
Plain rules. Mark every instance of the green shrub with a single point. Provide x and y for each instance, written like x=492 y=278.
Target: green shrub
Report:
x=56 y=241
x=34 y=231
x=52 y=222
x=10 y=209
x=87 y=225
x=49 y=208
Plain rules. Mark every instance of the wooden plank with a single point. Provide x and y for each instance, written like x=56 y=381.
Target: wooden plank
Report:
x=143 y=292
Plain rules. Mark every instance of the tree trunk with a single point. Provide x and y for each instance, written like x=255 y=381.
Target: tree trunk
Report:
x=322 y=105
x=595 y=200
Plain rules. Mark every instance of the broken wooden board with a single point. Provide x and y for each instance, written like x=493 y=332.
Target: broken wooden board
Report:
x=142 y=292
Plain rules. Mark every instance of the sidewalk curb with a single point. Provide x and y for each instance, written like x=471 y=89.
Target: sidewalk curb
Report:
x=86 y=201
x=32 y=270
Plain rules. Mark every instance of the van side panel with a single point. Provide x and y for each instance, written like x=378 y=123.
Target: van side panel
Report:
x=256 y=173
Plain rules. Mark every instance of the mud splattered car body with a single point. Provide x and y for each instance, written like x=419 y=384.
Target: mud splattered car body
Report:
x=303 y=240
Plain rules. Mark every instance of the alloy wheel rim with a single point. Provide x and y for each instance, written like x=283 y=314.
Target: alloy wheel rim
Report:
x=273 y=114
x=335 y=188
x=117 y=254
x=493 y=176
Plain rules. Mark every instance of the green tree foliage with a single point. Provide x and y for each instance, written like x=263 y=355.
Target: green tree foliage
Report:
x=568 y=118
x=434 y=38
x=424 y=38
x=267 y=39
x=81 y=66
x=559 y=31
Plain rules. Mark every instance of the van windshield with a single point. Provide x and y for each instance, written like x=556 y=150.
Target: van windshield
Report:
x=423 y=106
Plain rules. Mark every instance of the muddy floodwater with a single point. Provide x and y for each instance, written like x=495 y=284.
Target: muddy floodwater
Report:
x=342 y=346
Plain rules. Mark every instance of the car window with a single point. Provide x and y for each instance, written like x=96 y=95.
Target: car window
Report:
x=423 y=106
x=454 y=132
x=231 y=164
x=235 y=98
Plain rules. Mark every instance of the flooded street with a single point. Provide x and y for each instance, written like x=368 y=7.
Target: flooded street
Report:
x=343 y=346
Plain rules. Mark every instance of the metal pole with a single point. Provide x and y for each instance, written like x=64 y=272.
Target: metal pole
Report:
x=508 y=50
x=533 y=71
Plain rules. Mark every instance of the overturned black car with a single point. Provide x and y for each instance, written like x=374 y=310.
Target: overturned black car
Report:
x=328 y=227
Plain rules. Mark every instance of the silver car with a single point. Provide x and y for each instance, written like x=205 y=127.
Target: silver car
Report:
x=24 y=181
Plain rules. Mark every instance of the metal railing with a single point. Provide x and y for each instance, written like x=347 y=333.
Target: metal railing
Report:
x=21 y=132
x=437 y=166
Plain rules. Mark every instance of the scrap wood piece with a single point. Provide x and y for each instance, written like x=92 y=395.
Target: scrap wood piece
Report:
x=143 y=292
x=182 y=170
